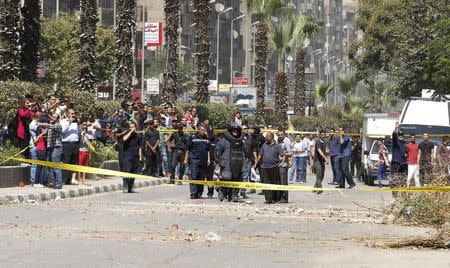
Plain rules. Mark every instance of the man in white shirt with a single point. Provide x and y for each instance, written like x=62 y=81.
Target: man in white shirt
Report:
x=285 y=143
x=70 y=136
x=304 y=154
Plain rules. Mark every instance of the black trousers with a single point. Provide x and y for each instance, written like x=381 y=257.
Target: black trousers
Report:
x=151 y=162
x=320 y=173
x=345 y=171
x=283 y=195
x=177 y=158
x=270 y=176
x=210 y=177
x=356 y=164
x=69 y=156
x=130 y=165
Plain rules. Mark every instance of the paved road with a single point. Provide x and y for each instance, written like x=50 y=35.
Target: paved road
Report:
x=160 y=227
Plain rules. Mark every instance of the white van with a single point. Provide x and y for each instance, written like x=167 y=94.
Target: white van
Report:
x=422 y=115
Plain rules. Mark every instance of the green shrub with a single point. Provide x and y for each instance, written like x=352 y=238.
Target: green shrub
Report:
x=8 y=151
x=102 y=153
x=12 y=93
x=86 y=104
x=313 y=123
x=219 y=115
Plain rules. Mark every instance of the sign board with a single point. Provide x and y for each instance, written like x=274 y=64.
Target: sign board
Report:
x=153 y=34
x=216 y=99
x=212 y=85
x=225 y=87
x=240 y=81
x=105 y=93
x=152 y=86
x=243 y=96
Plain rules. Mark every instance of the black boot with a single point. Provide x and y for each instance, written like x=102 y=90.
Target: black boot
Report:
x=235 y=195
x=220 y=195
x=125 y=185
x=131 y=186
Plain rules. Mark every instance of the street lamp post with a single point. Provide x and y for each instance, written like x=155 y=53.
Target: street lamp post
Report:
x=314 y=53
x=218 y=44
x=254 y=51
x=231 y=46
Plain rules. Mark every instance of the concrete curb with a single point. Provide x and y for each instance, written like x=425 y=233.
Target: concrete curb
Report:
x=73 y=193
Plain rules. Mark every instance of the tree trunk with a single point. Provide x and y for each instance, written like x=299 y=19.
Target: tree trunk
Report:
x=281 y=99
x=87 y=78
x=300 y=83
x=30 y=39
x=172 y=18
x=125 y=32
x=9 y=39
x=202 y=50
x=262 y=48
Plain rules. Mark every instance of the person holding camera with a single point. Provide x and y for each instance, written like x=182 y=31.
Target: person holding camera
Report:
x=70 y=136
x=27 y=109
x=132 y=142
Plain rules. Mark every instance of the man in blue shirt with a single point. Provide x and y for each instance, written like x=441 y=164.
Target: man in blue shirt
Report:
x=197 y=153
x=335 y=158
x=345 y=152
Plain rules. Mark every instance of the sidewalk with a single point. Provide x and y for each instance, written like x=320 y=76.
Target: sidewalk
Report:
x=31 y=194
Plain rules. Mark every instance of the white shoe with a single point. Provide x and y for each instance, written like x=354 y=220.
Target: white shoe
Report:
x=37 y=185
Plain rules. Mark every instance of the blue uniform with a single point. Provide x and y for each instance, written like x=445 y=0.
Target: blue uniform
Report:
x=198 y=147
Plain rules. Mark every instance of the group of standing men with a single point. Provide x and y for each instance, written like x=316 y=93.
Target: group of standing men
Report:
x=273 y=155
x=413 y=159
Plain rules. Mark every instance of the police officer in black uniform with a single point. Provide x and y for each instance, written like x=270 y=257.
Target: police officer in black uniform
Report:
x=230 y=153
x=122 y=129
x=180 y=139
x=212 y=165
x=198 y=156
x=132 y=143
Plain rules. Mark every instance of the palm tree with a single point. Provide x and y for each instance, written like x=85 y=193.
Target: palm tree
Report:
x=202 y=53
x=172 y=19
x=264 y=9
x=359 y=105
x=306 y=28
x=9 y=39
x=384 y=96
x=125 y=32
x=322 y=90
x=281 y=34
x=347 y=86
x=30 y=39
x=87 y=78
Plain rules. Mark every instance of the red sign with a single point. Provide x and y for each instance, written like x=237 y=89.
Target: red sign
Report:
x=153 y=34
x=240 y=81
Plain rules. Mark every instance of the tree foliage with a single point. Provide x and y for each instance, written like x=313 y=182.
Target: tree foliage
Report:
x=60 y=44
x=125 y=32
x=87 y=78
x=202 y=49
x=171 y=84
x=30 y=39
x=398 y=36
x=9 y=39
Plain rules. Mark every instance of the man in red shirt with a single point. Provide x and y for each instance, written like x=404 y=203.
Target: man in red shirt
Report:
x=413 y=154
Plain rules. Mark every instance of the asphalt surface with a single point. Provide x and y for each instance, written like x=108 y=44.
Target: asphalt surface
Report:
x=161 y=227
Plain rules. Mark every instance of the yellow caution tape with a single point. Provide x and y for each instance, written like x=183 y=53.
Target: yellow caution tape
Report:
x=85 y=169
x=228 y=184
x=276 y=187
x=11 y=157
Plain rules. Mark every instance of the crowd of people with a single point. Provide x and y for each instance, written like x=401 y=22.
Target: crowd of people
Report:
x=162 y=142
